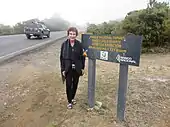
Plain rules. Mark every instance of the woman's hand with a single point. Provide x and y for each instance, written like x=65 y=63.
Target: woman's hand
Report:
x=63 y=73
x=85 y=54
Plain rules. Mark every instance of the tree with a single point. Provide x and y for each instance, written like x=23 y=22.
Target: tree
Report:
x=153 y=23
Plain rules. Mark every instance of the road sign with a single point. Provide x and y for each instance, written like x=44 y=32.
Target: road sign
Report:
x=124 y=50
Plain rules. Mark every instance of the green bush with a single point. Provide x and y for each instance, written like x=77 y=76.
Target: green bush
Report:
x=153 y=23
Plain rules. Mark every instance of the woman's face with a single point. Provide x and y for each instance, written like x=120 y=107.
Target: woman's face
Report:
x=72 y=35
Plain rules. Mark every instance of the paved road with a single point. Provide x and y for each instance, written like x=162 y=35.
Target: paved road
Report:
x=13 y=43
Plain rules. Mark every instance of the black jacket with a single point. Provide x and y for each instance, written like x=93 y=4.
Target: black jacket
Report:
x=69 y=56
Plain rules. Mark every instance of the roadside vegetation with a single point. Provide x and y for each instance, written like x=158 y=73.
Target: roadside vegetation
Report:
x=153 y=23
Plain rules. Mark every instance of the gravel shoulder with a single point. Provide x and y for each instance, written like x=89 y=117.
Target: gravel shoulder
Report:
x=32 y=94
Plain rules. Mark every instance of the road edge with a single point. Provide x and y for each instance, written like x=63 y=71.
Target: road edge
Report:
x=28 y=49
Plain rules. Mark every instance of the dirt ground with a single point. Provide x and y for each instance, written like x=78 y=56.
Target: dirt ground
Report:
x=32 y=94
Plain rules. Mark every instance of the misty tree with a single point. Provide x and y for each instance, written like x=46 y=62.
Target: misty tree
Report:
x=151 y=3
x=19 y=28
x=153 y=23
x=5 y=29
x=56 y=23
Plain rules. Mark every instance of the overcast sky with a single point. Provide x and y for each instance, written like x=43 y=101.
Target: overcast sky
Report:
x=78 y=11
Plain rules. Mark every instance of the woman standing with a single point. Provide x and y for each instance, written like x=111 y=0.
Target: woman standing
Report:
x=72 y=64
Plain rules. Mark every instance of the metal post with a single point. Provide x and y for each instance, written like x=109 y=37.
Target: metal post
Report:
x=91 y=81
x=121 y=104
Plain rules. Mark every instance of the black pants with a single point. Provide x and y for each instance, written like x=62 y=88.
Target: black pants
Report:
x=72 y=79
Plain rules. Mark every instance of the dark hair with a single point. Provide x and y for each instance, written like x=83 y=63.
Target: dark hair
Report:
x=74 y=29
